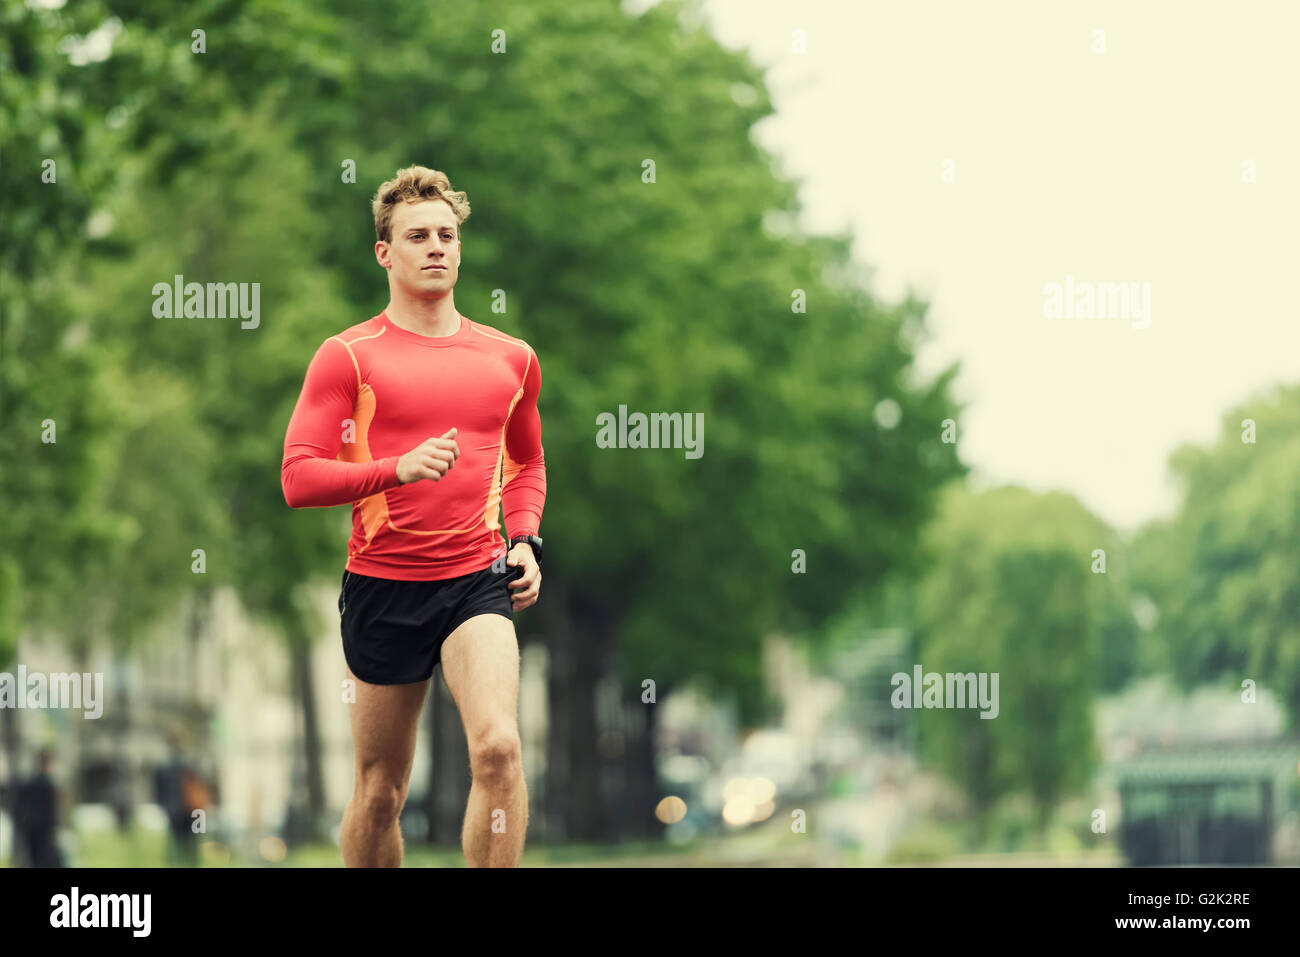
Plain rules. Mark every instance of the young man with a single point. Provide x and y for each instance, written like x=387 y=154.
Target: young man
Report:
x=427 y=423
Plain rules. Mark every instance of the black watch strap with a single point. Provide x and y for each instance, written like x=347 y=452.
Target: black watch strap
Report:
x=533 y=541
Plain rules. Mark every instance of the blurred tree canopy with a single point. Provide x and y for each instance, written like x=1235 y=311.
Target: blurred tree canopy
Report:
x=1011 y=589
x=1224 y=572
x=627 y=226
x=49 y=470
x=665 y=292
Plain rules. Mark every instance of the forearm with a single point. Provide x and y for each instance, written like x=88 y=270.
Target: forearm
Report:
x=523 y=497
x=523 y=491
x=316 y=482
x=312 y=474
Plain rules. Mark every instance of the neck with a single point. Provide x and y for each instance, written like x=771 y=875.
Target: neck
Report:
x=427 y=317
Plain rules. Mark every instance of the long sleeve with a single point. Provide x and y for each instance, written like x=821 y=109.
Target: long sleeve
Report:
x=311 y=474
x=523 y=474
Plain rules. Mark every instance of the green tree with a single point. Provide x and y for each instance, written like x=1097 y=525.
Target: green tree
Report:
x=1223 y=572
x=172 y=416
x=664 y=294
x=670 y=295
x=227 y=218
x=1012 y=590
x=59 y=408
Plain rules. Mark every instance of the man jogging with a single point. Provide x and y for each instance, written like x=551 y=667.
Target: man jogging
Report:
x=427 y=424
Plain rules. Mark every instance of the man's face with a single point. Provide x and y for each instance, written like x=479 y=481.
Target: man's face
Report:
x=425 y=235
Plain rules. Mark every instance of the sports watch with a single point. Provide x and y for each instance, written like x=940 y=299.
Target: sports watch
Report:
x=532 y=540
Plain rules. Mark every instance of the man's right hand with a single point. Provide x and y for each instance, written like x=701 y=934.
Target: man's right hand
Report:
x=431 y=459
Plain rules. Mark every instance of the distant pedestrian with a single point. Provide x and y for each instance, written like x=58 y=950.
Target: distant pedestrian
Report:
x=37 y=817
x=180 y=791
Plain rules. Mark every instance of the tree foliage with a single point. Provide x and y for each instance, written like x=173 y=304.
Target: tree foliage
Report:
x=1223 y=572
x=1011 y=589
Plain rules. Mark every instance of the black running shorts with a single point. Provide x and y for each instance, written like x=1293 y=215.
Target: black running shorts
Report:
x=393 y=630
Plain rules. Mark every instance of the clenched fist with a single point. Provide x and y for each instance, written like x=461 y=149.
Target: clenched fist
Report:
x=431 y=459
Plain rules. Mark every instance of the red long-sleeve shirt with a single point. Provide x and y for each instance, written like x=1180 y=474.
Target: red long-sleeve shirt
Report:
x=373 y=393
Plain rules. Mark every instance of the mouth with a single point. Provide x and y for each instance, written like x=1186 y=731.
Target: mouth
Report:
x=427 y=268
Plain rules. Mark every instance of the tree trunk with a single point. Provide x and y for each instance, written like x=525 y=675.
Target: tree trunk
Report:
x=305 y=690
x=77 y=733
x=577 y=634
x=434 y=723
x=593 y=798
x=13 y=753
x=449 y=780
x=557 y=630
x=642 y=793
x=1043 y=812
x=122 y=797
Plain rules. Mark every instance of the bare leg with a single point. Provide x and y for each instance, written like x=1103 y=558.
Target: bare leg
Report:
x=480 y=662
x=384 y=719
x=496 y=817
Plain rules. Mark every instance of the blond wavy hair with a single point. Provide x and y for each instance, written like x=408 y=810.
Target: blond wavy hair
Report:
x=413 y=185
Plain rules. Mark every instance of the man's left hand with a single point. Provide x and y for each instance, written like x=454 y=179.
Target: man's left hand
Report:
x=529 y=585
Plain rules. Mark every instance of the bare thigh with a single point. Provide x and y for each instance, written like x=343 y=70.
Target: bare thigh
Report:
x=385 y=720
x=480 y=662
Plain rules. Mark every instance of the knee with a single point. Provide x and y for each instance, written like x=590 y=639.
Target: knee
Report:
x=379 y=800
x=496 y=756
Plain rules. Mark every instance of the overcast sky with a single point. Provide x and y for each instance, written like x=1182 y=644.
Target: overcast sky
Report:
x=1122 y=166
